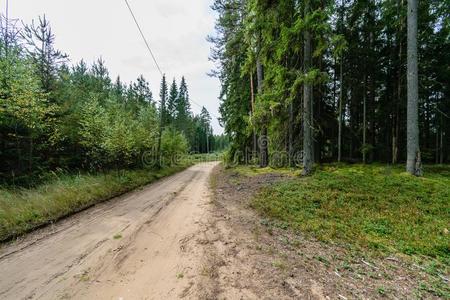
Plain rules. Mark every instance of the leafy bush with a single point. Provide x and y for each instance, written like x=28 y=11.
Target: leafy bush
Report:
x=173 y=145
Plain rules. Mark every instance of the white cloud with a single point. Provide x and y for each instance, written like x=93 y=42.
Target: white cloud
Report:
x=175 y=29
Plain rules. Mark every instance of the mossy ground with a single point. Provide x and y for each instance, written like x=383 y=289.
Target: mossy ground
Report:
x=362 y=231
x=371 y=210
x=375 y=207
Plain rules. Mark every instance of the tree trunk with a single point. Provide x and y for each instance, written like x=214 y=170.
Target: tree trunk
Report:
x=30 y=158
x=161 y=123
x=252 y=99
x=364 y=148
x=413 y=163
x=307 y=102
x=437 y=145
x=396 y=117
x=340 y=112
x=371 y=107
x=335 y=105
x=364 y=130
x=263 y=142
x=441 y=156
x=207 y=140
x=291 y=134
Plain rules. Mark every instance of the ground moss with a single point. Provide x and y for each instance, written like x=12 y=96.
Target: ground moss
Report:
x=367 y=206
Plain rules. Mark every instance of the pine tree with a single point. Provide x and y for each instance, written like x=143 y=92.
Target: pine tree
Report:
x=413 y=163
x=307 y=98
x=41 y=47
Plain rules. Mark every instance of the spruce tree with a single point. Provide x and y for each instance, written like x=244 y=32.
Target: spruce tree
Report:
x=182 y=107
x=172 y=102
x=162 y=117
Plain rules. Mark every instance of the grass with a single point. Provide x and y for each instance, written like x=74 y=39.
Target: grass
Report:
x=22 y=210
x=117 y=236
x=374 y=207
x=251 y=170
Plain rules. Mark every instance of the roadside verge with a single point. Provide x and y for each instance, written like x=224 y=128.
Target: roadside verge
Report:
x=24 y=210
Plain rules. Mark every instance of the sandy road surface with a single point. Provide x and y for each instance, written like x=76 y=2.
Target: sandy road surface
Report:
x=138 y=246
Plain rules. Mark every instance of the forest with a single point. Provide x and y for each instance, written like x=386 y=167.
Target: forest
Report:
x=329 y=80
x=331 y=179
x=58 y=115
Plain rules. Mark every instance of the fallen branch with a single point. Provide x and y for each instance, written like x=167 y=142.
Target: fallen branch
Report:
x=369 y=264
x=392 y=259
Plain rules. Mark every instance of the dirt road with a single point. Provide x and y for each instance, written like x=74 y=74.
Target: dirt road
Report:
x=138 y=246
x=177 y=238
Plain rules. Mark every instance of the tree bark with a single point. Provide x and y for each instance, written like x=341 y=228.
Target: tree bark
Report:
x=252 y=99
x=364 y=121
x=307 y=102
x=263 y=142
x=437 y=150
x=341 y=85
x=161 y=122
x=291 y=134
x=413 y=163
x=340 y=112
x=441 y=156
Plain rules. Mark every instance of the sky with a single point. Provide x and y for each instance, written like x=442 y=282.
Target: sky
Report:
x=175 y=29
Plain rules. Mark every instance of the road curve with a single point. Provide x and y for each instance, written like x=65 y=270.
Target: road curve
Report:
x=131 y=247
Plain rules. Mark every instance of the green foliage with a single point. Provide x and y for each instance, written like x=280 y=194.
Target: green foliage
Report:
x=25 y=102
x=231 y=49
x=93 y=123
x=173 y=146
x=53 y=116
x=367 y=39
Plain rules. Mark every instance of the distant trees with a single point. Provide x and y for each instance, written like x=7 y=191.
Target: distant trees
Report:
x=172 y=102
x=57 y=116
x=335 y=84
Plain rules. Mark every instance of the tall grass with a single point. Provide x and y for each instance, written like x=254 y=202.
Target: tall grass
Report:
x=22 y=210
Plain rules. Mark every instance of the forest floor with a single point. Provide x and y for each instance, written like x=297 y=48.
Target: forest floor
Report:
x=271 y=244
x=215 y=233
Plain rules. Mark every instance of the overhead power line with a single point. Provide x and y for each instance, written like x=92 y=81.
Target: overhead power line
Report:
x=443 y=113
x=202 y=106
x=151 y=52
x=143 y=37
